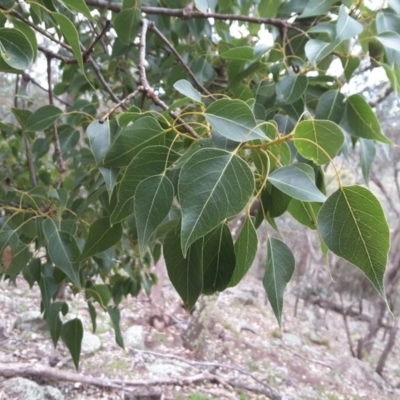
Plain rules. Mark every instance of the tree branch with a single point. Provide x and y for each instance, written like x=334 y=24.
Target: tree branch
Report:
x=145 y=87
x=184 y=13
x=120 y=104
x=153 y=28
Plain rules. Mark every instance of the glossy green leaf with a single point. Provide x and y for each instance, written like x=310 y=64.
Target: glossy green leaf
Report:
x=268 y=8
x=304 y=212
x=29 y=34
x=280 y=268
x=20 y=258
x=244 y=53
x=186 y=88
x=115 y=316
x=43 y=118
x=347 y=27
x=331 y=106
x=127 y=24
x=274 y=202
x=367 y=157
x=71 y=35
x=219 y=259
x=213 y=185
x=143 y=132
x=363 y=121
x=102 y=235
x=185 y=273
x=99 y=138
x=54 y=321
x=291 y=88
x=64 y=252
x=153 y=201
x=15 y=49
x=316 y=7
x=72 y=335
x=393 y=74
x=245 y=251
x=152 y=160
x=390 y=40
x=395 y=4
x=360 y=237
x=234 y=120
x=318 y=140
x=80 y=6
x=110 y=176
x=296 y=183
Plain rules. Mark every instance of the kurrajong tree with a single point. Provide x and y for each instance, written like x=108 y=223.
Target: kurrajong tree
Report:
x=159 y=126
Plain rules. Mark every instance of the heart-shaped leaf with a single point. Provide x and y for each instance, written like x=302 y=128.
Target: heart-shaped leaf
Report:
x=15 y=49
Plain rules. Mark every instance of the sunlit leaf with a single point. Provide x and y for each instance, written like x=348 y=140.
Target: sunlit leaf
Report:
x=186 y=88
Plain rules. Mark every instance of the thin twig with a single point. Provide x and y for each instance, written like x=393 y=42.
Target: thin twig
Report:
x=28 y=149
x=98 y=38
x=52 y=54
x=61 y=163
x=120 y=104
x=145 y=86
x=153 y=28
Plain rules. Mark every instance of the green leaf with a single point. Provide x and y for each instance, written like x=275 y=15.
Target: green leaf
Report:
x=54 y=321
x=142 y=133
x=127 y=24
x=43 y=118
x=186 y=88
x=244 y=53
x=268 y=8
x=245 y=250
x=395 y=4
x=29 y=34
x=100 y=293
x=102 y=235
x=186 y=274
x=316 y=7
x=316 y=50
x=71 y=35
x=20 y=257
x=296 y=183
x=304 y=212
x=72 y=335
x=203 y=5
x=393 y=74
x=280 y=268
x=367 y=157
x=354 y=227
x=99 y=139
x=115 y=316
x=318 y=140
x=235 y=120
x=110 y=176
x=213 y=185
x=152 y=160
x=80 y=6
x=64 y=252
x=363 y=121
x=153 y=200
x=93 y=316
x=390 y=40
x=347 y=27
x=15 y=49
x=331 y=106
x=291 y=88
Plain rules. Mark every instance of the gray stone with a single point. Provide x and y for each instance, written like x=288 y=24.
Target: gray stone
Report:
x=165 y=369
x=90 y=343
x=6 y=301
x=23 y=389
x=134 y=337
x=30 y=321
x=318 y=339
x=291 y=340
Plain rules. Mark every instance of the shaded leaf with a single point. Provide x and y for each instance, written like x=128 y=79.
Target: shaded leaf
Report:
x=127 y=24
x=54 y=321
x=213 y=185
x=367 y=157
x=15 y=49
x=304 y=212
x=280 y=268
x=99 y=139
x=100 y=293
x=360 y=237
x=80 y=6
x=102 y=235
x=316 y=7
x=93 y=316
x=244 y=53
x=245 y=251
x=186 y=274
x=331 y=106
x=43 y=118
x=72 y=334
x=291 y=88
x=115 y=316
x=390 y=40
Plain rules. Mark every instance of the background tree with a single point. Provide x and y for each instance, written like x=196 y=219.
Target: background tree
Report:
x=165 y=122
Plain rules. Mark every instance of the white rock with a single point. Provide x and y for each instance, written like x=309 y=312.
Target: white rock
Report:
x=134 y=337
x=90 y=343
x=292 y=340
x=30 y=321
x=23 y=389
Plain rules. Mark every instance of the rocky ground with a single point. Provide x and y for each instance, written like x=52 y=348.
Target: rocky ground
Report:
x=310 y=359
